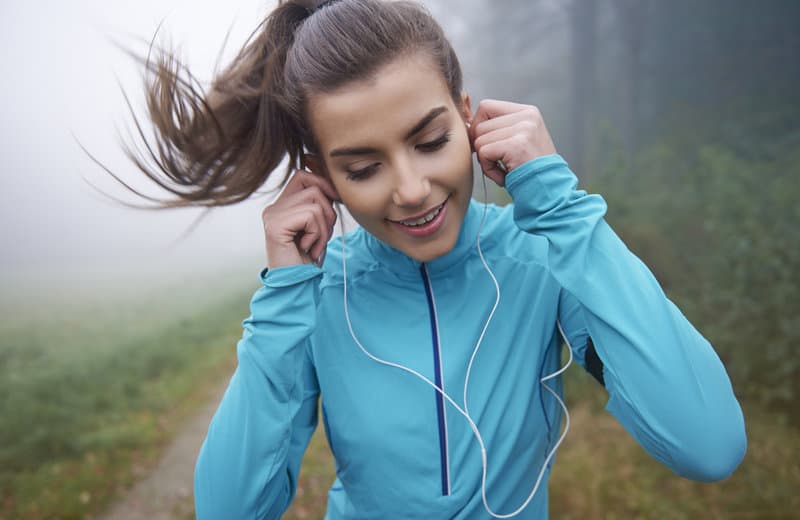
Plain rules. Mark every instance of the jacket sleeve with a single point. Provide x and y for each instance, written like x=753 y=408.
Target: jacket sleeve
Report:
x=666 y=385
x=250 y=459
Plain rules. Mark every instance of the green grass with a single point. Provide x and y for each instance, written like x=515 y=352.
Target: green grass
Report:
x=91 y=386
x=600 y=472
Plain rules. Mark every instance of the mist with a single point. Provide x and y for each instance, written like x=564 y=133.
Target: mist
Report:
x=63 y=82
x=65 y=77
x=683 y=115
x=612 y=78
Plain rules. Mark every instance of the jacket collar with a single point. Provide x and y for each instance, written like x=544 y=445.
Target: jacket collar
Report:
x=404 y=266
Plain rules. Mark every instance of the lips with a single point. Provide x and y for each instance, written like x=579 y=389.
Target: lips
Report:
x=424 y=224
x=422 y=220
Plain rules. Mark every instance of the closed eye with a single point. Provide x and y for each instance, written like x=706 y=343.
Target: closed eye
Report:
x=436 y=144
x=369 y=171
x=363 y=173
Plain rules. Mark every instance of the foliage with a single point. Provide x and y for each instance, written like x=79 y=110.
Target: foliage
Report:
x=601 y=473
x=90 y=391
x=714 y=212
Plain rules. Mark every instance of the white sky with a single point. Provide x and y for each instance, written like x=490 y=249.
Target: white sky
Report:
x=60 y=70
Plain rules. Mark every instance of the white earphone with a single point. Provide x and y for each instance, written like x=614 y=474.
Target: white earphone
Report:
x=465 y=411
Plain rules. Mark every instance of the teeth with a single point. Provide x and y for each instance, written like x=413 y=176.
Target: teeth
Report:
x=423 y=219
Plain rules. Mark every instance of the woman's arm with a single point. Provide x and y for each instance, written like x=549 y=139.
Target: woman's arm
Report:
x=666 y=384
x=248 y=465
x=249 y=462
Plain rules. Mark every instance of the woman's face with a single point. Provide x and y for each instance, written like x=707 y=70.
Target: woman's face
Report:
x=396 y=149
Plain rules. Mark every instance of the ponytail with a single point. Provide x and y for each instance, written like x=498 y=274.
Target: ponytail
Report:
x=218 y=148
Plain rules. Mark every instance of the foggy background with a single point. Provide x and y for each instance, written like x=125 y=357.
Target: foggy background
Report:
x=684 y=115
x=63 y=81
x=60 y=73
x=608 y=75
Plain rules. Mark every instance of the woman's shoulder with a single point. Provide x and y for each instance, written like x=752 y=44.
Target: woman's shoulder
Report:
x=501 y=237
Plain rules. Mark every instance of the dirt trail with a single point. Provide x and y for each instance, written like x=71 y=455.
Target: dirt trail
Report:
x=166 y=493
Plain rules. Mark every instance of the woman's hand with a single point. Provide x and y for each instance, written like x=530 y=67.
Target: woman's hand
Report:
x=508 y=132
x=298 y=225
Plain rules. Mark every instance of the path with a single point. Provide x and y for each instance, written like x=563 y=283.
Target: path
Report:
x=166 y=493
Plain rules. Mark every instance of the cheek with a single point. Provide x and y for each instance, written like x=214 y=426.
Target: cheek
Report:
x=453 y=166
x=365 y=200
x=459 y=163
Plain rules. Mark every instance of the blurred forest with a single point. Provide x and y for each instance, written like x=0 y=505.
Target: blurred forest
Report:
x=686 y=116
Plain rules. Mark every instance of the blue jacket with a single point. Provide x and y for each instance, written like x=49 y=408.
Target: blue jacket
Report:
x=401 y=450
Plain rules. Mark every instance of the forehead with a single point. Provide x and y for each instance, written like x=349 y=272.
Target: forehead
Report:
x=386 y=106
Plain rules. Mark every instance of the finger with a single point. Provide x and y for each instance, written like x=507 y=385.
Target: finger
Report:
x=315 y=195
x=524 y=135
x=492 y=108
x=302 y=179
x=499 y=134
x=307 y=196
x=315 y=235
x=282 y=225
x=495 y=174
x=282 y=242
x=527 y=116
x=318 y=246
x=488 y=156
x=301 y=230
x=307 y=241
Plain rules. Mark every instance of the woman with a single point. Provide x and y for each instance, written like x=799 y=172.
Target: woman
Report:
x=431 y=332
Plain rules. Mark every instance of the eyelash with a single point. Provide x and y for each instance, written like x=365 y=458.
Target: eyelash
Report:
x=429 y=147
x=361 y=174
x=436 y=144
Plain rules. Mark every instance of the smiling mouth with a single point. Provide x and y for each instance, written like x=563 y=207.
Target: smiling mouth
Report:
x=423 y=219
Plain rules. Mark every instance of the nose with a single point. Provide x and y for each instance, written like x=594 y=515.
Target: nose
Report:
x=412 y=187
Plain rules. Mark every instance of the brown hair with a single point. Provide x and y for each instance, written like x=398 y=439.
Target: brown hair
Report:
x=218 y=148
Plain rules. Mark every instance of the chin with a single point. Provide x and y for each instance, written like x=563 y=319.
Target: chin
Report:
x=432 y=251
x=437 y=246
x=428 y=257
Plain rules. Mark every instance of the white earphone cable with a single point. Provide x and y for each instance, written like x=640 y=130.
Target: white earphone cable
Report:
x=465 y=411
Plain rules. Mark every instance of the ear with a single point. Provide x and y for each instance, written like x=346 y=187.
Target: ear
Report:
x=466 y=108
x=314 y=163
x=466 y=115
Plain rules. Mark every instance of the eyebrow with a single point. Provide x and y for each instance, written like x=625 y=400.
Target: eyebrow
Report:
x=425 y=121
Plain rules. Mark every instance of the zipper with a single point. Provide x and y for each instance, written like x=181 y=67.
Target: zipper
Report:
x=441 y=416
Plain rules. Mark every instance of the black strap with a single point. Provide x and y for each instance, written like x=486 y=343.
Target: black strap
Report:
x=593 y=363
